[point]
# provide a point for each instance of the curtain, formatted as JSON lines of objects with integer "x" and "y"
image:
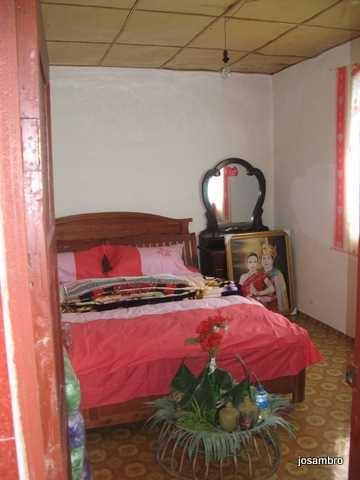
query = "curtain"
{"x": 347, "y": 159}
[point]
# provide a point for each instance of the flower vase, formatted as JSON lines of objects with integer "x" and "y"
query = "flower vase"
{"x": 212, "y": 364}
{"x": 248, "y": 414}
{"x": 228, "y": 418}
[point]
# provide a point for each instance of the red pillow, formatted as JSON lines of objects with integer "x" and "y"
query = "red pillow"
{"x": 89, "y": 263}
{"x": 80, "y": 265}
{"x": 124, "y": 260}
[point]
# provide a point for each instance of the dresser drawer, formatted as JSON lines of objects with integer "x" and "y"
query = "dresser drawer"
{"x": 213, "y": 262}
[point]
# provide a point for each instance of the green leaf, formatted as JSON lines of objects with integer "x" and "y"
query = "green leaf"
{"x": 223, "y": 379}
{"x": 205, "y": 397}
{"x": 184, "y": 381}
{"x": 239, "y": 391}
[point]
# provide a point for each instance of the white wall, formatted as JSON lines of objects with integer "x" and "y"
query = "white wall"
{"x": 141, "y": 140}
{"x": 304, "y": 159}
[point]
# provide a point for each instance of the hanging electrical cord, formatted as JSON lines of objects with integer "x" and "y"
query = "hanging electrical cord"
{"x": 225, "y": 71}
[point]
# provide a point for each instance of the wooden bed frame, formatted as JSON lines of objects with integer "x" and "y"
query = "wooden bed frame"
{"x": 78, "y": 232}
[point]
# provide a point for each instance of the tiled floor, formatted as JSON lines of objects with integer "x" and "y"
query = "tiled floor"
{"x": 322, "y": 424}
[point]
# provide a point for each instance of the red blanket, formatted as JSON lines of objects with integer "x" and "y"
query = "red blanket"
{"x": 121, "y": 359}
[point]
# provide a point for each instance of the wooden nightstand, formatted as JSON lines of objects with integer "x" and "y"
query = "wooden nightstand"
{"x": 212, "y": 257}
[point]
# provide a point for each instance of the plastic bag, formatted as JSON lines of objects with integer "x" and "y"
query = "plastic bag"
{"x": 80, "y": 466}
{"x": 72, "y": 387}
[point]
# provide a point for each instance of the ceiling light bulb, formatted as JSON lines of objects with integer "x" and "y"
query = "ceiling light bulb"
{"x": 225, "y": 71}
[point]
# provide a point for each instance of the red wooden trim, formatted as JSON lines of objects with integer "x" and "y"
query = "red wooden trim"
{"x": 44, "y": 57}
{"x": 46, "y": 319}
{"x": 35, "y": 392}
{"x": 14, "y": 271}
{"x": 38, "y": 190}
{"x": 354, "y": 460}
{"x": 8, "y": 463}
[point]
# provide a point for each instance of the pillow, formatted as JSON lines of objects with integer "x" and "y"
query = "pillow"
{"x": 164, "y": 259}
{"x": 66, "y": 267}
{"x": 127, "y": 260}
{"x": 124, "y": 261}
{"x": 81, "y": 264}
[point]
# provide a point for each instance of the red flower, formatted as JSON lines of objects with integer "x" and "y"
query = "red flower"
{"x": 211, "y": 342}
{"x": 204, "y": 328}
{"x": 209, "y": 334}
{"x": 210, "y": 324}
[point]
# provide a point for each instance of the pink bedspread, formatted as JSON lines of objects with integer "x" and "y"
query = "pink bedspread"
{"x": 119, "y": 359}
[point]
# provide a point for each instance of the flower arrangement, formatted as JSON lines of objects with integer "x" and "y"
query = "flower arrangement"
{"x": 203, "y": 395}
{"x": 212, "y": 417}
{"x": 202, "y": 410}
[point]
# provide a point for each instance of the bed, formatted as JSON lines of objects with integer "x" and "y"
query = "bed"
{"x": 131, "y": 358}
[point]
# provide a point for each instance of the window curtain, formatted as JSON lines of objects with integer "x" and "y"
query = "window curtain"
{"x": 347, "y": 159}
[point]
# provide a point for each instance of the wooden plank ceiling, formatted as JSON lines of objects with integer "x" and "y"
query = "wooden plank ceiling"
{"x": 262, "y": 36}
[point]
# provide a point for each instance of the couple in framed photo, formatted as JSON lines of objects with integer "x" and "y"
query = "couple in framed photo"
{"x": 261, "y": 264}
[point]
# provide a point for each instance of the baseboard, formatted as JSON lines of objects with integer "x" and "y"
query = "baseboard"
{"x": 324, "y": 325}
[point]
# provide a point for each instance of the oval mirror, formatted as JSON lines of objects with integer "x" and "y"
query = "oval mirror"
{"x": 233, "y": 194}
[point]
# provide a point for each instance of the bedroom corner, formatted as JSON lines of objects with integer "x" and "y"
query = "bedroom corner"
{"x": 121, "y": 238}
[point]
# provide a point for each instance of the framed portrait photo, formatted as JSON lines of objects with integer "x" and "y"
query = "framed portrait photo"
{"x": 260, "y": 263}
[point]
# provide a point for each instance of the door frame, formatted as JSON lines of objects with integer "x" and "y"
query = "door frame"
{"x": 27, "y": 268}
{"x": 21, "y": 48}
{"x": 354, "y": 457}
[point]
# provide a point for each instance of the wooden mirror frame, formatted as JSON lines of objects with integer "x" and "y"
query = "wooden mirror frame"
{"x": 255, "y": 223}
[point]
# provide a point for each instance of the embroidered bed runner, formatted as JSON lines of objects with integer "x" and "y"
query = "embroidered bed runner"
{"x": 108, "y": 293}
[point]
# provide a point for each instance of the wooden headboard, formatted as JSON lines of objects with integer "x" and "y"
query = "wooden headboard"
{"x": 78, "y": 232}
